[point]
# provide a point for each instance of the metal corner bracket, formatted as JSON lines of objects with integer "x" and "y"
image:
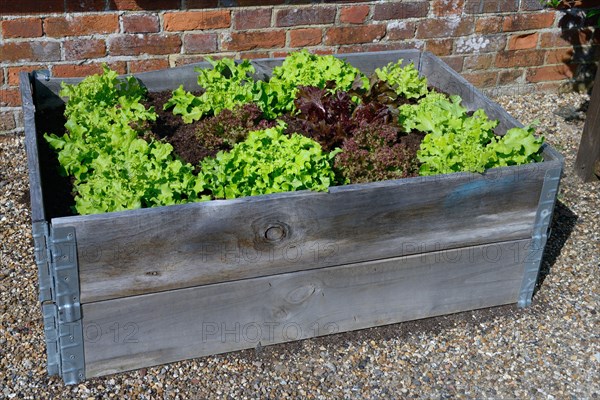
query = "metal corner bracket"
{"x": 541, "y": 229}
{"x": 58, "y": 275}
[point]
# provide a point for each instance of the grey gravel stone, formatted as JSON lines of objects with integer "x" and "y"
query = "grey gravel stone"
{"x": 548, "y": 351}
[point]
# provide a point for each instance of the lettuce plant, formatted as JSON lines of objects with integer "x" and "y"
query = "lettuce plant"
{"x": 305, "y": 69}
{"x": 112, "y": 167}
{"x": 405, "y": 80}
{"x": 457, "y": 141}
{"x": 334, "y": 126}
{"x": 223, "y": 131}
{"x": 322, "y": 115}
{"x": 226, "y": 86}
{"x": 268, "y": 161}
{"x": 378, "y": 152}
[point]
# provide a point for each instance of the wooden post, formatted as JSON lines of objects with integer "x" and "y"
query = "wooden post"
{"x": 587, "y": 164}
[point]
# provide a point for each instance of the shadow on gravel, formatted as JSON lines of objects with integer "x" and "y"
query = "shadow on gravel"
{"x": 563, "y": 224}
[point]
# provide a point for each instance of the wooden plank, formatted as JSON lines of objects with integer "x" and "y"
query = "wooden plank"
{"x": 142, "y": 331}
{"x": 149, "y": 250}
{"x": 587, "y": 164}
{"x": 31, "y": 146}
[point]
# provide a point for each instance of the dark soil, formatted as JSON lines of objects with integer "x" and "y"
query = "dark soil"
{"x": 171, "y": 128}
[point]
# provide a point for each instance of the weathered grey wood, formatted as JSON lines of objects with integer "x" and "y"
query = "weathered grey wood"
{"x": 149, "y": 250}
{"x": 31, "y": 146}
{"x": 587, "y": 164}
{"x": 141, "y": 331}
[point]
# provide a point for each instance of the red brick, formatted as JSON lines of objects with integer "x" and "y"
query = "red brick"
{"x": 551, "y": 73}
{"x": 488, "y": 25}
{"x": 491, "y": 6}
{"x": 354, "y": 34}
{"x": 385, "y": 46}
{"x": 10, "y": 97}
{"x": 305, "y": 37}
{"x": 200, "y": 43}
{"x": 439, "y": 47}
{"x": 479, "y": 62}
{"x": 555, "y": 86}
{"x": 480, "y": 44}
{"x": 148, "y": 65}
{"x": 180, "y": 60}
{"x": 560, "y": 56}
{"x": 251, "y": 55}
{"x": 553, "y": 39}
{"x": 31, "y": 6}
{"x": 455, "y": 62}
{"x": 531, "y": 5}
{"x": 396, "y": 10}
{"x": 431, "y": 28}
{"x": 22, "y": 28}
{"x": 80, "y": 70}
{"x": 254, "y": 40}
{"x": 141, "y": 23}
{"x": 253, "y": 18}
{"x": 7, "y": 121}
{"x": 323, "y": 52}
{"x": 354, "y": 14}
{"x": 196, "y": 20}
{"x": 509, "y": 77}
{"x": 30, "y": 51}
{"x": 573, "y": 37}
{"x": 81, "y": 25}
{"x": 13, "y": 72}
{"x": 138, "y": 5}
{"x": 132, "y": 45}
{"x": 443, "y": 8}
{"x": 85, "y": 5}
{"x": 525, "y": 22}
{"x": 520, "y": 58}
{"x": 313, "y": 15}
{"x": 401, "y": 30}
{"x": 482, "y": 79}
{"x": 81, "y": 49}
{"x": 521, "y": 42}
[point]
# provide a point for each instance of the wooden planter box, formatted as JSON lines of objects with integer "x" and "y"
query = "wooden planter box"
{"x": 133, "y": 289}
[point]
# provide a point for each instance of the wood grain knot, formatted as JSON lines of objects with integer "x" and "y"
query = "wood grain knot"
{"x": 301, "y": 294}
{"x": 275, "y": 233}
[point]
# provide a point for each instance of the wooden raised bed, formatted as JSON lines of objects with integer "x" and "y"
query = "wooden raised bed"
{"x": 132, "y": 289}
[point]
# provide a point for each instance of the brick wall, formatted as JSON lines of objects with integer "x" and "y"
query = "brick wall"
{"x": 506, "y": 45}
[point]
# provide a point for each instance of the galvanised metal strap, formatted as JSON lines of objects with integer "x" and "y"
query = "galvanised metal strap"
{"x": 58, "y": 273}
{"x": 533, "y": 260}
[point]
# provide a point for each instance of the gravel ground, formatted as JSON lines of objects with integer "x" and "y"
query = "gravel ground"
{"x": 550, "y": 350}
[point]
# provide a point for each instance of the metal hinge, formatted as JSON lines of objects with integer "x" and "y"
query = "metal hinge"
{"x": 58, "y": 274}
